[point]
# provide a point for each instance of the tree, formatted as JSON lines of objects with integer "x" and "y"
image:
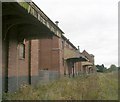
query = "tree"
{"x": 101, "y": 68}
{"x": 112, "y": 68}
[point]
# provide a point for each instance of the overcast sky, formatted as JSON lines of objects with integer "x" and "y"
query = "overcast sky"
{"x": 91, "y": 24}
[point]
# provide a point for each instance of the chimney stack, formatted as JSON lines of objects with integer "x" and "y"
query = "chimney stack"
{"x": 56, "y": 22}
{"x": 78, "y": 48}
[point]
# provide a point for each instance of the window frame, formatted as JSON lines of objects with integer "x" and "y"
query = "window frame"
{"x": 21, "y": 51}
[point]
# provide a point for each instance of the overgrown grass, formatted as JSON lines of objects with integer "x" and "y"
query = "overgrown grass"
{"x": 91, "y": 87}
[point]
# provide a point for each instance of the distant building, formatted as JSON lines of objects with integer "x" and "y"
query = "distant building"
{"x": 72, "y": 57}
{"x": 88, "y": 66}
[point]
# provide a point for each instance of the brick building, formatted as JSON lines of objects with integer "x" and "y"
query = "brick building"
{"x": 22, "y": 24}
{"x": 58, "y": 57}
{"x": 34, "y": 49}
{"x": 72, "y": 57}
{"x": 88, "y": 66}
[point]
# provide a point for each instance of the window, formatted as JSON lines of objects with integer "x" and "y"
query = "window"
{"x": 21, "y": 51}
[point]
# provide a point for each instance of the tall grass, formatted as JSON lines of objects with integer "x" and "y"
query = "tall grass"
{"x": 87, "y": 87}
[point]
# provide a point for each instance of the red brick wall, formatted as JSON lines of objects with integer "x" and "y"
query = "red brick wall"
{"x": 56, "y": 53}
{"x": 22, "y": 64}
{"x": 34, "y": 58}
{"x": 91, "y": 58}
{"x": 49, "y": 54}
{"x": 61, "y": 54}
{"x": 45, "y": 53}
{"x": 12, "y": 59}
{"x": 17, "y": 66}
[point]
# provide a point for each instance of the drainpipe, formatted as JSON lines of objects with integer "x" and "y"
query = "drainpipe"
{"x": 29, "y": 62}
{"x": 73, "y": 69}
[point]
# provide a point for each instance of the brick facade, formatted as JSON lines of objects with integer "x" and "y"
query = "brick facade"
{"x": 88, "y": 66}
{"x": 33, "y": 54}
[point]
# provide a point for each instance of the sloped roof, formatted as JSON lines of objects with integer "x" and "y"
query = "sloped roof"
{"x": 73, "y": 55}
{"x": 86, "y": 63}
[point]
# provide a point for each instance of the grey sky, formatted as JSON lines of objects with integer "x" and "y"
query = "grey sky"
{"x": 91, "y": 24}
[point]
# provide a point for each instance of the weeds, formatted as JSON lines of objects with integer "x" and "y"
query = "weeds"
{"x": 90, "y": 87}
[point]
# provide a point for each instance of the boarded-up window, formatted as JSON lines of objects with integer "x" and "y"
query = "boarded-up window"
{"x": 21, "y": 51}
